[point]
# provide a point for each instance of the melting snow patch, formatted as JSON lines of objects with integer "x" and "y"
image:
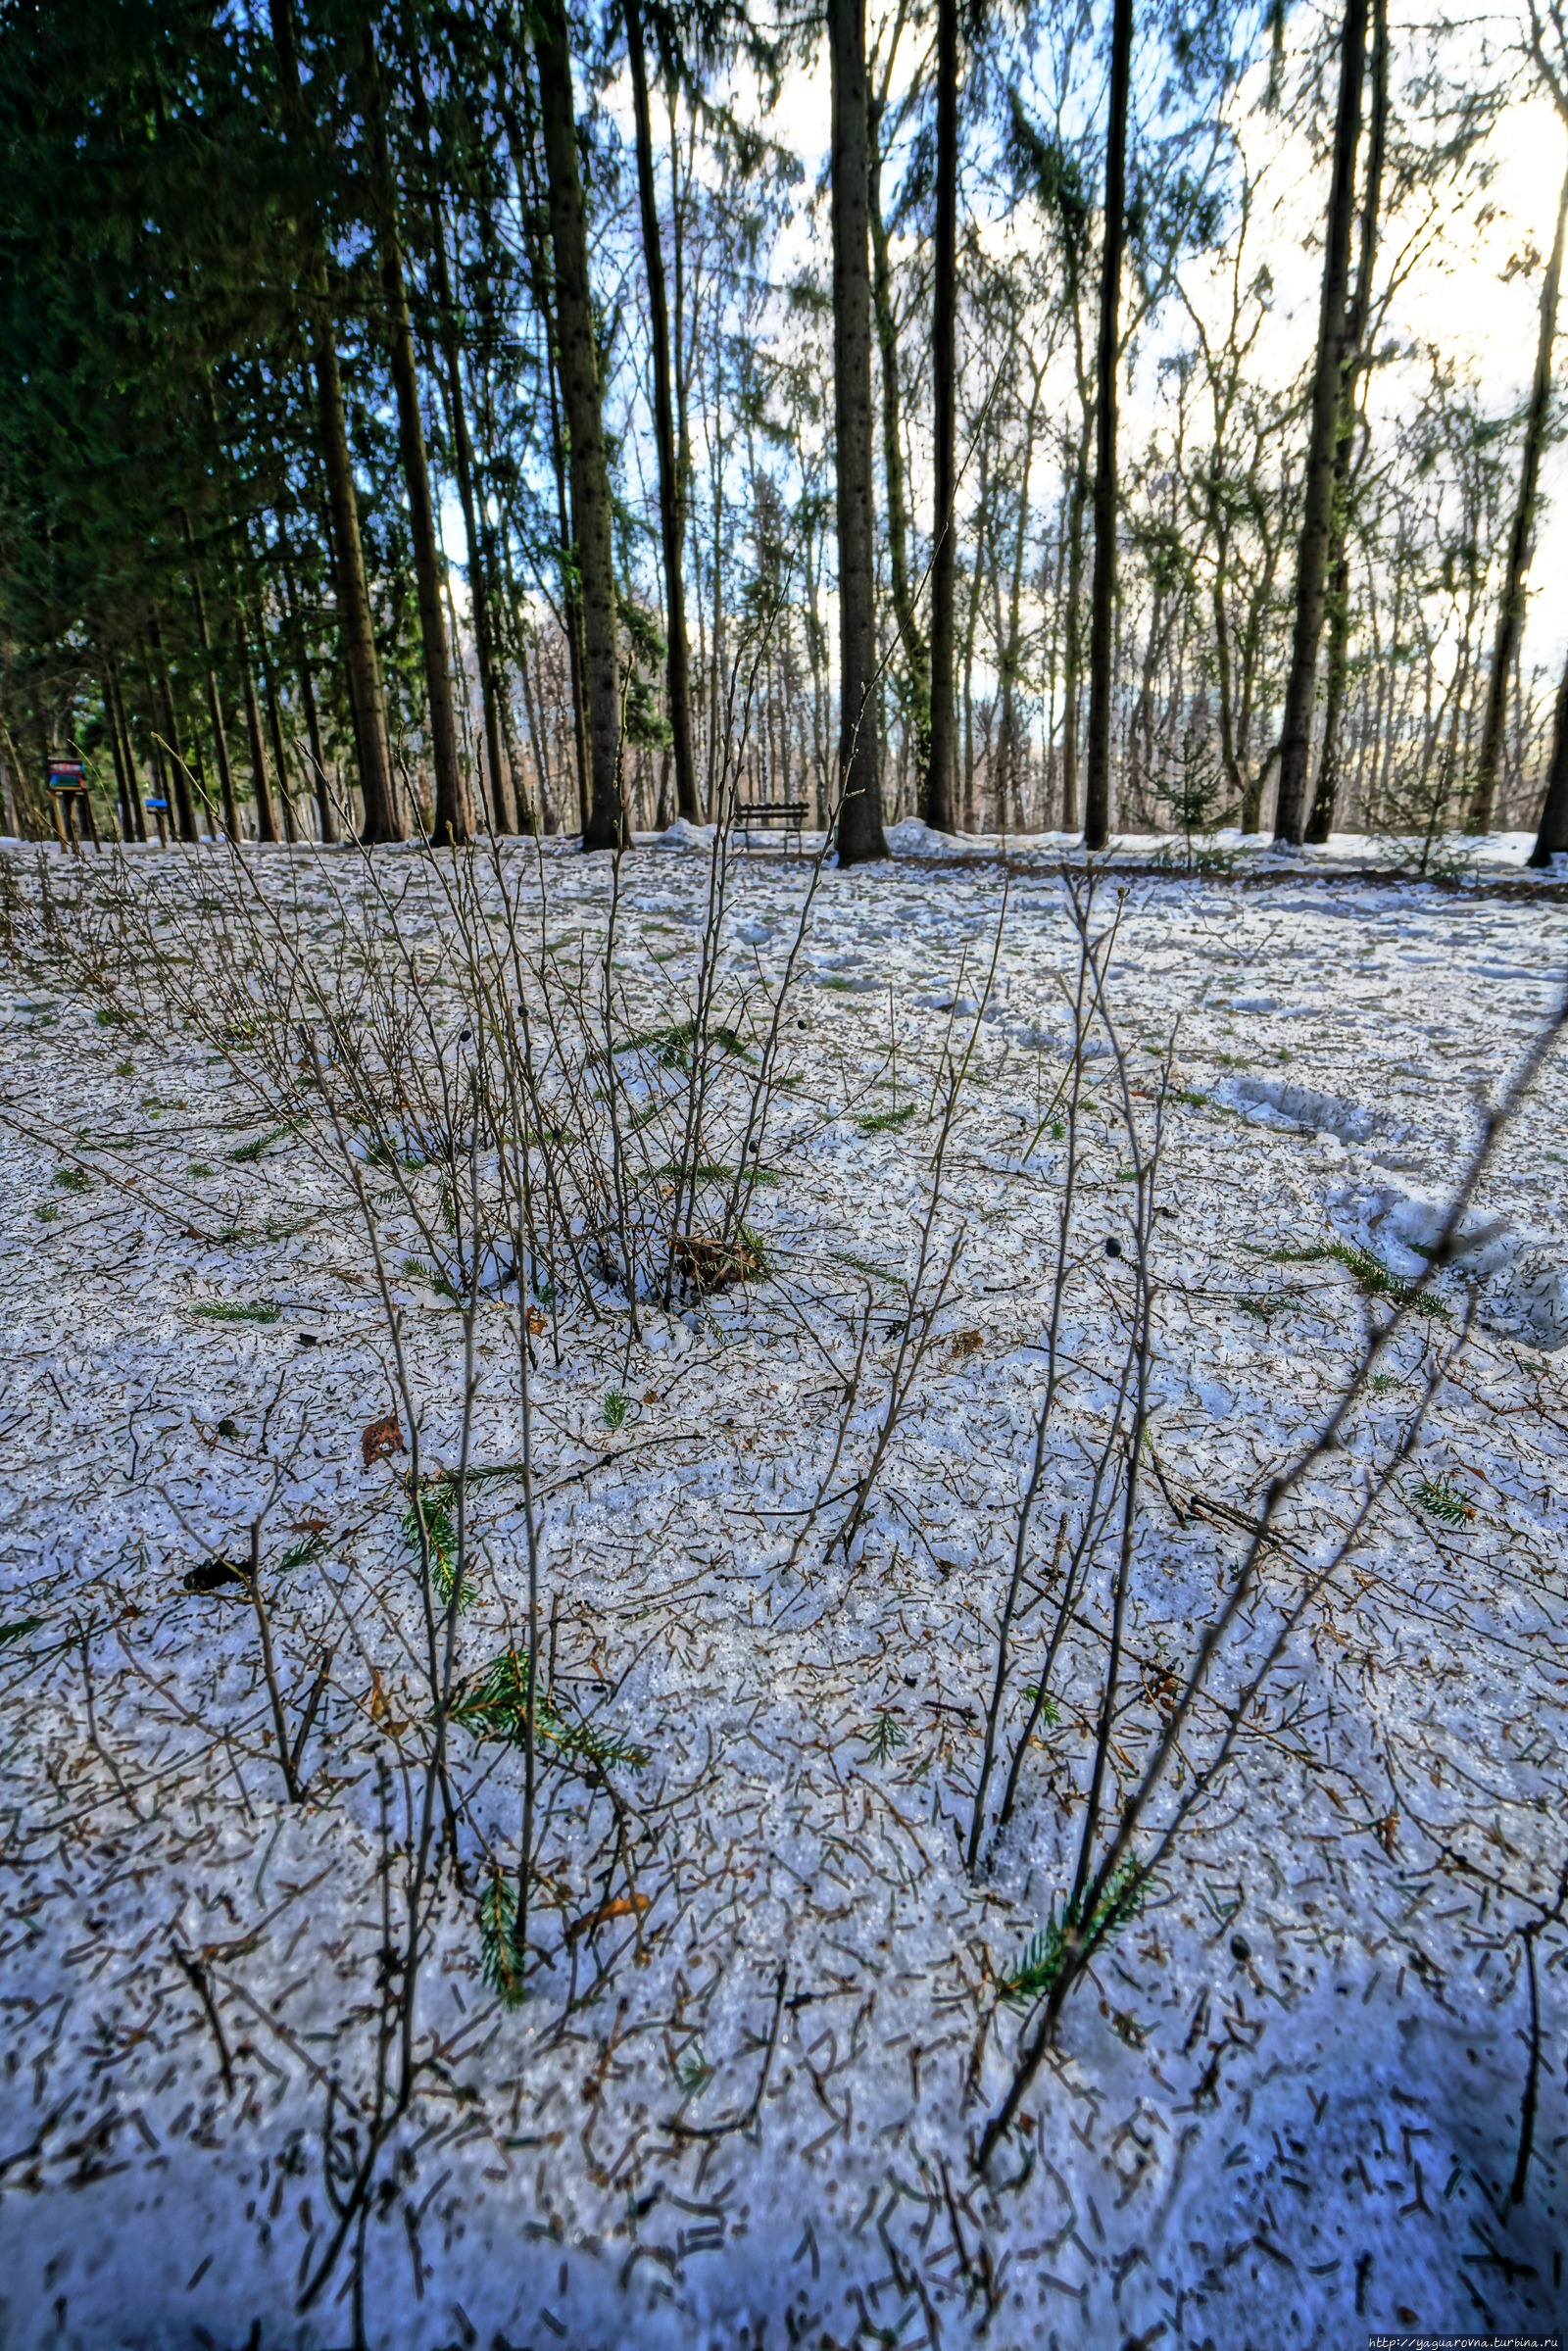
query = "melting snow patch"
{"x": 1523, "y": 1283}
{"x": 683, "y": 834}
{"x": 1276, "y": 1102}
{"x": 1529, "y": 1300}
{"x": 912, "y": 838}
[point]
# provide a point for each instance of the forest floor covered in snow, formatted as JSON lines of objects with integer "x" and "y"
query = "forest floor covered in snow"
{"x": 770, "y": 2007}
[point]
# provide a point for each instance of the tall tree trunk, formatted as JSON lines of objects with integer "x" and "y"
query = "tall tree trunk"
{"x": 860, "y": 835}
{"x": 453, "y": 814}
{"x": 383, "y": 802}
{"x": 915, "y": 694}
{"x": 1235, "y": 783}
{"x": 326, "y": 815}
{"x": 1320, "y": 823}
{"x": 520, "y": 135}
{"x": 266, "y": 815}
{"x": 184, "y": 806}
{"x": 973, "y": 808}
{"x": 275, "y": 726}
{"x": 585, "y": 425}
{"x": 942, "y": 756}
{"x": 1313, "y": 559}
{"x": 450, "y": 346}
{"x": 162, "y": 789}
{"x": 1103, "y": 593}
{"x": 1011, "y": 661}
{"x": 1553, "y": 838}
{"x": 1073, "y": 650}
{"x": 127, "y": 752}
{"x": 1336, "y": 677}
{"x": 123, "y": 781}
{"x": 1511, "y": 608}
{"x": 491, "y": 683}
{"x": 215, "y": 703}
{"x": 671, "y": 519}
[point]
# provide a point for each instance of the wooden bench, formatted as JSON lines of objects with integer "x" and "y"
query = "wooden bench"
{"x": 784, "y": 816}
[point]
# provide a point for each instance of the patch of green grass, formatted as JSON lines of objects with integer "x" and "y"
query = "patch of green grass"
{"x": 303, "y": 1553}
{"x": 107, "y": 1017}
{"x": 616, "y": 1409}
{"x": 262, "y": 1311}
{"x": 885, "y": 1122}
{"x": 19, "y": 1628}
{"x": 433, "y": 1506}
{"x": 1380, "y": 1281}
{"x": 839, "y": 987}
{"x": 260, "y": 1143}
{"x": 1038, "y": 1969}
{"x": 493, "y": 1704}
{"x": 1441, "y": 1499}
{"x": 198, "y": 1167}
{"x": 124, "y": 1070}
{"x": 73, "y": 1179}
{"x": 708, "y": 1171}
{"x": 873, "y": 1271}
{"x": 47, "y": 1211}
{"x": 1382, "y": 1381}
{"x": 501, "y": 1963}
{"x": 693, "y": 2071}
{"x": 885, "y": 1736}
{"x": 673, "y": 1045}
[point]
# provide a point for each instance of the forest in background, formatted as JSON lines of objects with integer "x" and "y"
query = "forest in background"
{"x": 956, "y": 456}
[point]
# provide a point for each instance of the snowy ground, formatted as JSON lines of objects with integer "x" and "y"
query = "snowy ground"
{"x": 1286, "y": 2110}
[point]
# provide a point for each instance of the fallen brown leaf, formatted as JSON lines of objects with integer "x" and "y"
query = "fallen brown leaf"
{"x": 382, "y": 1437}
{"x": 624, "y": 1906}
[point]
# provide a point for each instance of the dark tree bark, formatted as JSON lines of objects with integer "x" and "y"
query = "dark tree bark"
{"x": 121, "y": 728}
{"x": 183, "y": 809}
{"x": 492, "y": 685}
{"x": 215, "y": 704}
{"x": 915, "y": 691}
{"x": 1552, "y": 839}
{"x": 1295, "y": 732}
{"x": 1320, "y": 823}
{"x": 1102, "y": 592}
{"x": 454, "y": 812}
{"x": 942, "y": 757}
{"x": 275, "y": 726}
{"x": 326, "y": 815}
{"x": 859, "y": 825}
{"x": 383, "y": 803}
{"x": 521, "y": 137}
{"x": 1511, "y": 608}
{"x": 1073, "y": 626}
{"x": 265, "y": 814}
{"x": 672, "y": 519}
{"x": 585, "y": 426}
{"x": 123, "y": 785}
